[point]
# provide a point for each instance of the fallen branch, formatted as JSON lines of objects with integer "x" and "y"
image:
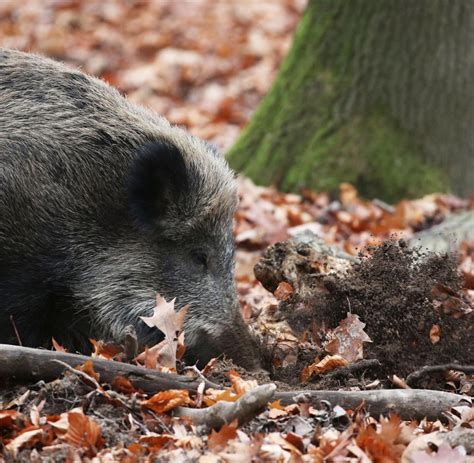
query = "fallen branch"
{"x": 243, "y": 409}
{"x": 408, "y": 403}
{"x": 25, "y": 363}
{"x": 416, "y": 376}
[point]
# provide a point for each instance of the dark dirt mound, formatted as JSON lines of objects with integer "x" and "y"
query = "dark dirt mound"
{"x": 394, "y": 290}
{"x": 391, "y": 290}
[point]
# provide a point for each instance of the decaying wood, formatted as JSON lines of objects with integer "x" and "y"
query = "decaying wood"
{"x": 413, "y": 378}
{"x": 408, "y": 403}
{"x": 243, "y": 409}
{"x": 25, "y": 363}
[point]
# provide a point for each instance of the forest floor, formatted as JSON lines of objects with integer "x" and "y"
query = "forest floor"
{"x": 345, "y": 303}
{"x": 341, "y": 299}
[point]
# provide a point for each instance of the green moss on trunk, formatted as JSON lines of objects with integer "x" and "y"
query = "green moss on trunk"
{"x": 344, "y": 107}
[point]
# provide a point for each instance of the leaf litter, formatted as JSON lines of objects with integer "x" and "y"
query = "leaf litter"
{"x": 315, "y": 316}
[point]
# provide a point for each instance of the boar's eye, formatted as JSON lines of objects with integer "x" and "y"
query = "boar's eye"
{"x": 201, "y": 258}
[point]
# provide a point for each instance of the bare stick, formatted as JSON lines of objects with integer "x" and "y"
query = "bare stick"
{"x": 243, "y": 409}
{"x": 408, "y": 403}
{"x": 414, "y": 377}
{"x": 25, "y": 363}
{"x": 16, "y": 330}
{"x": 80, "y": 373}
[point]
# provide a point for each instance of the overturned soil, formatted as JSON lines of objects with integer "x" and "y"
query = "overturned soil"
{"x": 409, "y": 301}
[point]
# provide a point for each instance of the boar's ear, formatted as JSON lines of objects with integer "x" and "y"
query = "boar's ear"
{"x": 158, "y": 181}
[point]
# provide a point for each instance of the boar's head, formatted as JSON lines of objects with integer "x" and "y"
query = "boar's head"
{"x": 182, "y": 197}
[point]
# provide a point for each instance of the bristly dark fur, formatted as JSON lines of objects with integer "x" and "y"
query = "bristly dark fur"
{"x": 103, "y": 204}
{"x": 158, "y": 174}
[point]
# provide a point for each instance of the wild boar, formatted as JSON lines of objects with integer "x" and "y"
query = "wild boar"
{"x": 103, "y": 204}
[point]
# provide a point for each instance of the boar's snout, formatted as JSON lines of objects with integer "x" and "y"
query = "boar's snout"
{"x": 229, "y": 337}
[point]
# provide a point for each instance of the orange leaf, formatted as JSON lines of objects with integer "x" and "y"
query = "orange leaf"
{"x": 156, "y": 442}
{"x": 123, "y": 385}
{"x": 435, "y": 334}
{"x": 57, "y": 346}
{"x": 167, "y": 400}
{"x": 326, "y": 364}
{"x": 104, "y": 350}
{"x": 83, "y": 432}
{"x": 27, "y": 438}
{"x": 218, "y": 440}
{"x": 88, "y": 368}
{"x": 284, "y": 291}
{"x": 216, "y": 395}
{"x": 276, "y": 404}
{"x": 209, "y": 366}
{"x": 241, "y": 386}
{"x": 8, "y": 417}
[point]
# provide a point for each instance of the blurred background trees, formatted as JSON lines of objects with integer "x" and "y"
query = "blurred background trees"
{"x": 377, "y": 93}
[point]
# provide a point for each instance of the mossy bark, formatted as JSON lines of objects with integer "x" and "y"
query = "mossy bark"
{"x": 378, "y": 93}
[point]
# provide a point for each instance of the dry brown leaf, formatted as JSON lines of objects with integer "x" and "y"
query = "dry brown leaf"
{"x": 328, "y": 363}
{"x": 170, "y": 323}
{"x": 217, "y": 440}
{"x": 382, "y": 444}
{"x": 57, "y": 347}
{"x": 27, "y": 438}
{"x": 213, "y": 396}
{"x": 348, "y": 338}
{"x": 284, "y": 291}
{"x": 105, "y": 350}
{"x": 209, "y": 366}
{"x": 167, "y": 400}
{"x": 88, "y": 369}
{"x": 8, "y": 418}
{"x": 435, "y": 334}
{"x": 241, "y": 386}
{"x": 83, "y": 432}
{"x": 123, "y": 384}
{"x": 157, "y": 441}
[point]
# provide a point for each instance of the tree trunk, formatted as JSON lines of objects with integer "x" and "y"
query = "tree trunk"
{"x": 377, "y": 93}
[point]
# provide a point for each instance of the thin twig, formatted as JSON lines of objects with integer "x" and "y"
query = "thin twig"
{"x": 206, "y": 381}
{"x": 80, "y": 373}
{"x": 414, "y": 377}
{"x": 16, "y": 331}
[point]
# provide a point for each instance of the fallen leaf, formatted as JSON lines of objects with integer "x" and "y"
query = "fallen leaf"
{"x": 435, "y": 334}
{"x": 167, "y": 400}
{"x": 217, "y": 440}
{"x": 348, "y": 338}
{"x": 240, "y": 385}
{"x": 328, "y": 363}
{"x": 57, "y": 347}
{"x": 284, "y": 291}
{"x": 27, "y": 438}
{"x": 88, "y": 369}
{"x": 84, "y": 432}
{"x": 170, "y": 323}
